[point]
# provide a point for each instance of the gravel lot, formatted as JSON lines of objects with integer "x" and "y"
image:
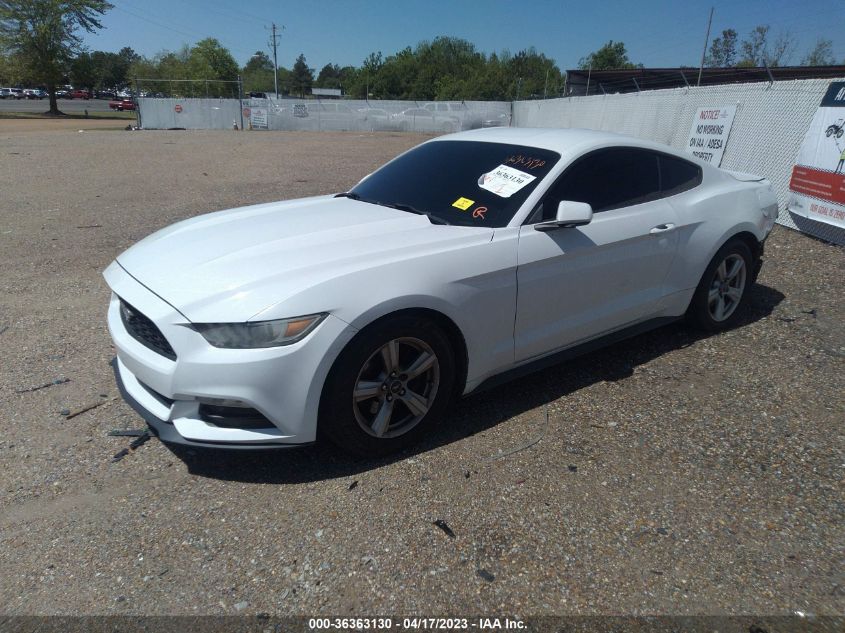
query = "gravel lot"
{"x": 675, "y": 474}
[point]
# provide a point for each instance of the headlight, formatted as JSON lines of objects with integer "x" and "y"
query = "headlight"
{"x": 259, "y": 333}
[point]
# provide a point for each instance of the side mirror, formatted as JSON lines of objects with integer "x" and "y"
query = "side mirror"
{"x": 569, "y": 214}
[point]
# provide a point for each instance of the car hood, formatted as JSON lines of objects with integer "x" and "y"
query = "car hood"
{"x": 231, "y": 266}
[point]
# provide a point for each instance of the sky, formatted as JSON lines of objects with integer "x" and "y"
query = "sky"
{"x": 656, "y": 33}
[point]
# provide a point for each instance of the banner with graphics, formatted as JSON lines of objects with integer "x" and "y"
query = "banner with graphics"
{"x": 817, "y": 186}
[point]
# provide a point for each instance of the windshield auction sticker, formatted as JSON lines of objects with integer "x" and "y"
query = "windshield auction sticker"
{"x": 505, "y": 181}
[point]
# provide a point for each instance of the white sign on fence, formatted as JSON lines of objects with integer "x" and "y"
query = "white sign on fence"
{"x": 258, "y": 118}
{"x": 709, "y": 133}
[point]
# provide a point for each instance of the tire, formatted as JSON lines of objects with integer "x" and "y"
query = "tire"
{"x": 829, "y": 131}
{"x": 379, "y": 420}
{"x": 718, "y": 301}
{"x": 839, "y": 133}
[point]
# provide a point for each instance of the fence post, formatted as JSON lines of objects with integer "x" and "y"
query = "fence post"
{"x": 769, "y": 72}
{"x": 138, "y": 106}
{"x": 241, "y": 101}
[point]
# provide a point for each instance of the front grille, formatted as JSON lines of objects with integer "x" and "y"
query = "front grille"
{"x": 145, "y": 331}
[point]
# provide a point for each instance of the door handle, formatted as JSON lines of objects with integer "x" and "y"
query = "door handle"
{"x": 662, "y": 228}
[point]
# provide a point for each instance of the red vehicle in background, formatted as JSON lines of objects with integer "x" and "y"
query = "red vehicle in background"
{"x": 79, "y": 94}
{"x": 122, "y": 104}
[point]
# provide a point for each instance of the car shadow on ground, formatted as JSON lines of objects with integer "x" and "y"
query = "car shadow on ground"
{"x": 469, "y": 416}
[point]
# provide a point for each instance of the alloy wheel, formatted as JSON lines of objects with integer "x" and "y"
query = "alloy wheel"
{"x": 396, "y": 387}
{"x": 727, "y": 287}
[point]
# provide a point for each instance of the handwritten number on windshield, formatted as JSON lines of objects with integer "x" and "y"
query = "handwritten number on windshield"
{"x": 526, "y": 162}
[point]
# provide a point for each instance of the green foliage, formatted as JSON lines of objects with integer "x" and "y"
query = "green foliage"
{"x": 446, "y": 68}
{"x": 611, "y": 56}
{"x": 43, "y": 35}
{"x": 449, "y": 68}
{"x": 301, "y": 77}
{"x": 257, "y": 74}
{"x": 723, "y": 50}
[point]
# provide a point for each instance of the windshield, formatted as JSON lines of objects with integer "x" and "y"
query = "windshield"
{"x": 470, "y": 183}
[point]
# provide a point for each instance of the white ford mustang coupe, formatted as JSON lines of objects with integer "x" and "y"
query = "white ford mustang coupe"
{"x": 466, "y": 260}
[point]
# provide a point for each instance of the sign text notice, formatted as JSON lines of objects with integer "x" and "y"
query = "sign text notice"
{"x": 709, "y": 133}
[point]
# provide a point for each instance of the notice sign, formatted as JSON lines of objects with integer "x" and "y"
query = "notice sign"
{"x": 709, "y": 133}
{"x": 258, "y": 118}
{"x": 817, "y": 185}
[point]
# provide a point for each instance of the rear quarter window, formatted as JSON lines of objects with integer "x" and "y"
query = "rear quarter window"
{"x": 678, "y": 175}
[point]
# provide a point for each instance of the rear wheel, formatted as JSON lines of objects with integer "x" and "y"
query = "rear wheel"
{"x": 719, "y": 297}
{"x": 388, "y": 388}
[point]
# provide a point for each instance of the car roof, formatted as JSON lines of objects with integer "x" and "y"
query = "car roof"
{"x": 565, "y": 141}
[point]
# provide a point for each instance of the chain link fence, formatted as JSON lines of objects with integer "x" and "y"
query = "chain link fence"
{"x": 439, "y": 117}
{"x": 769, "y": 127}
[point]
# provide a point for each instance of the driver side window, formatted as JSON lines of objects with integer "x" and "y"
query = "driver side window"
{"x": 605, "y": 179}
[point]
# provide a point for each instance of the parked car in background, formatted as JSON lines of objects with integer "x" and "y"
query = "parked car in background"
{"x": 493, "y": 252}
{"x": 502, "y": 120}
{"x": 105, "y": 94}
{"x": 376, "y": 119}
{"x": 470, "y": 119}
{"x": 425, "y": 120}
{"x": 122, "y": 104}
{"x": 6, "y": 93}
{"x": 17, "y": 93}
{"x": 79, "y": 94}
{"x": 34, "y": 93}
{"x": 257, "y": 95}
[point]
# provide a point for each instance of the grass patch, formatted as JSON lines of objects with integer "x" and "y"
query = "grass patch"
{"x": 120, "y": 116}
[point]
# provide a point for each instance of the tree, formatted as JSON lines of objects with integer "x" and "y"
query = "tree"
{"x": 756, "y": 50}
{"x": 723, "y": 50}
{"x": 43, "y": 35}
{"x": 257, "y": 74}
{"x": 84, "y": 71}
{"x": 611, "y": 56}
{"x": 821, "y": 55}
{"x": 208, "y": 59}
{"x": 301, "y": 77}
{"x": 329, "y": 76}
{"x": 533, "y": 75}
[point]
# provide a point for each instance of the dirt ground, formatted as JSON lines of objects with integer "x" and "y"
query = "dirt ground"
{"x": 675, "y": 474}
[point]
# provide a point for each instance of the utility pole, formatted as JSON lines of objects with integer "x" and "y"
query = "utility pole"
{"x": 274, "y": 43}
{"x": 704, "y": 52}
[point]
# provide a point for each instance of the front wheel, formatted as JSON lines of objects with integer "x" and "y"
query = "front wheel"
{"x": 719, "y": 297}
{"x": 388, "y": 388}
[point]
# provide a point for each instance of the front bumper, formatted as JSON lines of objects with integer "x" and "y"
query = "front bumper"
{"x": 282, "y": 384}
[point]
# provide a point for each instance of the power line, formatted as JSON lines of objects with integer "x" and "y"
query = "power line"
{"x": 181, "y": 31}
{"x": 274, "y": 43}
